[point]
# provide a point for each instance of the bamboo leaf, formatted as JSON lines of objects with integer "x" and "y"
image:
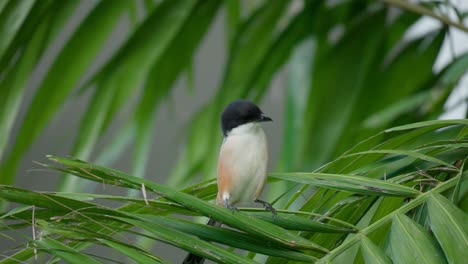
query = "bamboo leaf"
{"x": 230, "y": 238}
{"x": 11, "y": 19}
{"x": 125, "y": 72}
{"x": 397, "y": 109}
{"x": 3, "y": 3}
{"x": 455, "y": 70}
{"x": 280, "y": 50}
{"x": 41, "y": 31}
{"x": 233, "y": 18}
{"x": 133, "y": 253}
{"x": 357, "y": 184}
{"x": 136, "y": 57}
{"x": 407, "y": 138}
{"x": 19, "y": 256}
{"x": 90, "y": 213}
{"x": 430, "y": 123}
{"x": 447, "y": 185}
{"x": 249, "y": 48}
{"x": 292, "y": 222}
{"x": 54, "y": 203}
{"x": 410, "y": 243}
{"x": 63, "y": 251}
{"x": 343, "y": 93}
{"x": 238, "y": 220}
{"x": 297, "y": 91}
{"x": 372, "y": 253}
{"x": 13, "y": 84}
{"x": 413, "y": 154}
{"x": 186, "y": 242}
{"x": 62, "y": 77}
{"x": 164, "y": 72}
{"x": 25, "y": 31}
{"x": 449, "y": 225}
{"x": 74, "y": 232}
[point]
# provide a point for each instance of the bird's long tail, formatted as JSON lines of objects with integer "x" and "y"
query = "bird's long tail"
{"x": 195, "y": 259}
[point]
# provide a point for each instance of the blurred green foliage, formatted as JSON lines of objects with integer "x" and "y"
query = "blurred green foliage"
{"x": 352, "y": 72}
{"x": 361, "y": 77}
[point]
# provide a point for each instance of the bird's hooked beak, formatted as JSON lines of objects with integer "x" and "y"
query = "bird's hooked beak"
{"x": 264, "y": 118}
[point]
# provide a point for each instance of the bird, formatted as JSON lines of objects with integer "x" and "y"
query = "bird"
{"x": 242, "y": 161}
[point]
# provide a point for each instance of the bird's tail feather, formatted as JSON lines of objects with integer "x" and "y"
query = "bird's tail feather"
{"x": 195, "y": 259}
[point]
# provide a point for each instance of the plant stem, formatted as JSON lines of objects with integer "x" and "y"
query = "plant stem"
{"x": 425, "y": 11}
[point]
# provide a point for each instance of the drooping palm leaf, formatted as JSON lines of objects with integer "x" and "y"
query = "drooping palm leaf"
{"x": 90, "y": 223}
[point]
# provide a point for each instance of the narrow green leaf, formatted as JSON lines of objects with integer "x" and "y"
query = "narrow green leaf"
{"x": 233, "y": 18}
{"x": 11, "y": 19}
{"x": 398, "y": 139}
{"x": 456, "y": 69}
{"x": 41, "y": 27}
{"x": 81, "y": 208}
{"x": 63, "y": 251}
{"x": 149, "y": 206}
{"x": 14, "y": 83}
{"x": 119, "y": 78}
{"x": 61, "y": 12}
{"x": 238, "y": 220}
{"x": 149, "y": 4}
{"x": 409, "y": 153}
{"x": 410, "y": 243}
{"x": 3, "y": 3}
{"x": 298, "y": 83}
{"x": 395, "y": 110}
{"x": 37, "y": 14}
{"x": 357, "y": 184}
{"x": 187, "y": 242}
{"x": 62, "y": 77}
{"x": 164, "y": 72}
{"x": 293, "y": 222}
{"x": 342, "y": 97}
{"x": 148, "y": 43}
{"x": 131, "y": 252}
{"x": 249, "y": 48}
{"x": 418, "y": 54}
{"x": 428, "y": 124}
{"x": 229, "y": 237}
{"x": 16, "y": 210}
{"x": 386, "y": 206}
{"x": 414, "y": 203}
{"x": 18, "y": 257}
{"x": 75, "y": 232}
{"x": 372, "y": 253}
{"x": 52, "y": 202}
{"x": 449, "y": 225}
{"x": 280, "y": 50}
{"x": 196, "y": 151}
{"x": 463, "y": 133}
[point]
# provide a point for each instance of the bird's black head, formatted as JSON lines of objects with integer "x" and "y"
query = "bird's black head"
{"x": 241, "y": 112}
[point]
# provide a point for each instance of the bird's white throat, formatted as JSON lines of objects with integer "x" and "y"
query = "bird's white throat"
{"x": 249, "y": 128}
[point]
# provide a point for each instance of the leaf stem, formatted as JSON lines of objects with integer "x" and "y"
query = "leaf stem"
{"x": 425, "y": 11}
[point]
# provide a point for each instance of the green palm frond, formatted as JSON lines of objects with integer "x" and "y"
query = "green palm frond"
{"x": 67, "y": 223}
{"x": 366, "y": 173}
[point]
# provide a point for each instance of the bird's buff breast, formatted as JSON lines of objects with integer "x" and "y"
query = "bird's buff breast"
{"x": 245, "y": 154}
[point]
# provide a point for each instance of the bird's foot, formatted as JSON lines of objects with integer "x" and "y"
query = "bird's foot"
{"x": 229, "y": 206}
{"x": 267, "y": 206}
